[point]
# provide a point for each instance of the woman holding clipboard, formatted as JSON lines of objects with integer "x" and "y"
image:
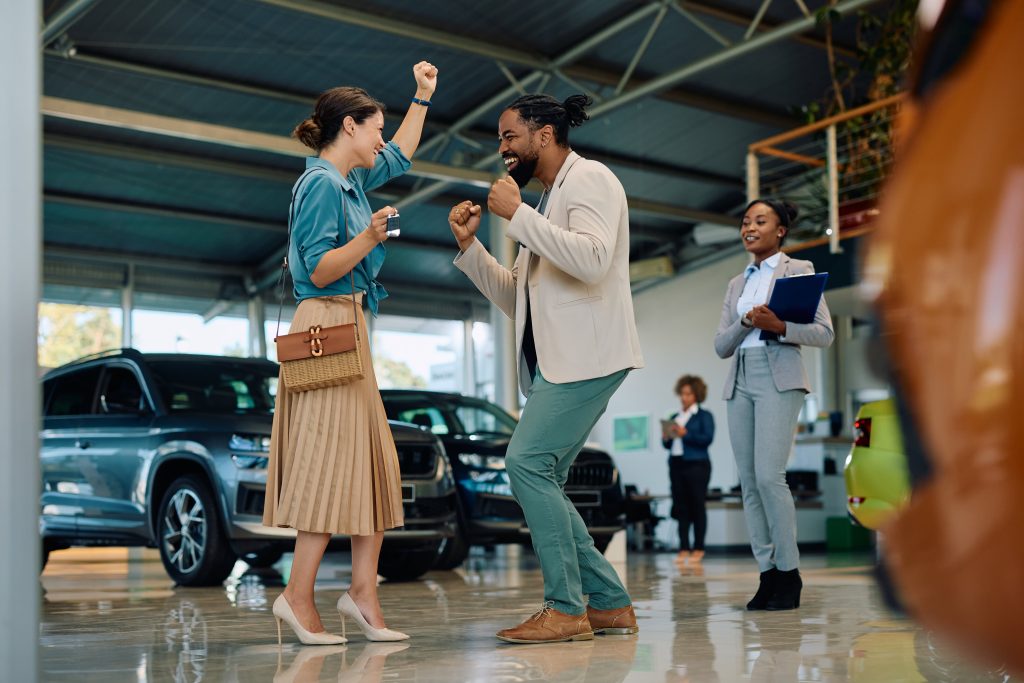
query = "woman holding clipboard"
{"x": 764, "y": 391}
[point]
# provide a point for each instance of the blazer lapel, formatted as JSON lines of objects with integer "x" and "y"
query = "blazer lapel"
{"x": 735, "y": 291}
{"x": 781, "y": 270}
{"x": 569, "y": 162}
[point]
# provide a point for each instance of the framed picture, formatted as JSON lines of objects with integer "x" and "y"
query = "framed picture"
{"x": 630, "y": 432}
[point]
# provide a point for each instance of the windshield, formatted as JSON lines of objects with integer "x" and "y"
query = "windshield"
{"x": 483, "y": 418}
{"x": 221, "y": 387}
{"x": 466, "y": 416}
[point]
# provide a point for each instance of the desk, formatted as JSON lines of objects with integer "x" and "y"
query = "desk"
{"x": 642, "y": 521}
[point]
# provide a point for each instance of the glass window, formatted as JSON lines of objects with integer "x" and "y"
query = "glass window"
{"x": 222, "y": 387}
{"x": 160, "y": 331}
{"x": 74, "y": 392}
{"x": 425, "y": 417}
{"x": 483, "y": 418}
{"x": 418, "y": 353}
{"x": 122, "y": 394}
{"x": 48, "y": 387}
{"x": 68, "y": 332}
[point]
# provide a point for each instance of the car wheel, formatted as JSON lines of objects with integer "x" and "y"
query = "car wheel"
{"x": 454, "y": 549}
{"x": 264, "y": 557}
{"x": 407, "y": 564}
{"x": 190, "y": 535}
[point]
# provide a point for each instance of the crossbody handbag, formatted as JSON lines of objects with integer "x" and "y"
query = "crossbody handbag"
{"x": 319, "y": 357}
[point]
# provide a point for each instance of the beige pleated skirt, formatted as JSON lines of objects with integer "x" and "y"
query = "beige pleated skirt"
{"x": 333, "y": 465}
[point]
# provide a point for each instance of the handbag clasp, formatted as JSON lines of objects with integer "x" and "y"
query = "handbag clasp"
{"x": 316, "y": 345}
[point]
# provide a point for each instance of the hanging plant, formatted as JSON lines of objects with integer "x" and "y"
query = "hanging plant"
{"x": 878, "y": 70}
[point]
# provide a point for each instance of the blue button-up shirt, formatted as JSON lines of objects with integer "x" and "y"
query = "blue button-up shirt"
{"x": 324, "y": 203}
{"x": 755, "y": 293}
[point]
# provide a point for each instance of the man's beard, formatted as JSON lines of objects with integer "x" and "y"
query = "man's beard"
{"x": 523, "y": 171}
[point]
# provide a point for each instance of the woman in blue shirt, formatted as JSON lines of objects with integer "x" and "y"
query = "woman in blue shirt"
{"x": 689, "y": 465}
{"x": 333, "y": 466}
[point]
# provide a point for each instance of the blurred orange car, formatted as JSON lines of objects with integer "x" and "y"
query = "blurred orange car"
{"x": 946, "y": 264}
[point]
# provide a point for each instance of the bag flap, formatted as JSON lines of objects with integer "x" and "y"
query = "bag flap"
{"x": 299, "y": 345}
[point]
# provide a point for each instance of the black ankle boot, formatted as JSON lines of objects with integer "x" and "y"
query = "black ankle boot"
{"x": 765, "y": 590}
{"x": 787, "y": 591}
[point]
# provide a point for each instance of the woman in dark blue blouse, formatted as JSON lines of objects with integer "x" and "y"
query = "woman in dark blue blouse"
{"x": 333, "y": 466}
{"x": 689, "y": 465}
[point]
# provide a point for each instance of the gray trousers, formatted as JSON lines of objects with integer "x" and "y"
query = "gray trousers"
{"x": 762, "y": 421}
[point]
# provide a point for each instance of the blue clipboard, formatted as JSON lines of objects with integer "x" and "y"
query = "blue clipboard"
{"x": 795, "y": 299}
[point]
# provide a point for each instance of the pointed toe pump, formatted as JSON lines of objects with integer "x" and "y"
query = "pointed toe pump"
{"x": 349, "y": 610}
{"x": 283, "y": 612}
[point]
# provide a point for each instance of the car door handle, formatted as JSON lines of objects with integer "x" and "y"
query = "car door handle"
{"x": 82, "y": 444}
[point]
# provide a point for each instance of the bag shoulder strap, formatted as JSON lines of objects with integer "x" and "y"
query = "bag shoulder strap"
{"x": 292, "y": 212}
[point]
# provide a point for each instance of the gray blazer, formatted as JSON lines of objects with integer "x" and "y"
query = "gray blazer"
{"x": 784, "y": 357}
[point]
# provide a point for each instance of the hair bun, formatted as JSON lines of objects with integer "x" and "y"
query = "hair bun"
{"x": 575, "y": 109}
{"x": 791, "y": 210}
{"x": 309, "y": 134}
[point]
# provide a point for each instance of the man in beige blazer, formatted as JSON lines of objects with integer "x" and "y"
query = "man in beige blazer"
{"x": 576, "y": 340}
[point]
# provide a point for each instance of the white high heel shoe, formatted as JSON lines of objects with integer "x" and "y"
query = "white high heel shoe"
{"x": 283, "y": 612}
{"x": 348, "y": 608}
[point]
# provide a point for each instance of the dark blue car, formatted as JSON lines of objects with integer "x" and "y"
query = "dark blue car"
{"x": 476, "y": 434}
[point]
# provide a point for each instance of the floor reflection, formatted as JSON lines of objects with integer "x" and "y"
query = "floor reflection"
{"x": 109, "y": 618}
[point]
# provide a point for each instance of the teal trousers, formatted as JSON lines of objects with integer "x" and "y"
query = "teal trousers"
{"x": 554, "y": 426}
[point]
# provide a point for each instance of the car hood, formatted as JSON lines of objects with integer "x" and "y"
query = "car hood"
{"x": 261, "y": 424}
{"x": 490, "y": 445}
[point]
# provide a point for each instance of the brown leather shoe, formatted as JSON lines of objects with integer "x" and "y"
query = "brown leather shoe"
{"x": 613, "y": 622}
{"x": 549, "y": 626}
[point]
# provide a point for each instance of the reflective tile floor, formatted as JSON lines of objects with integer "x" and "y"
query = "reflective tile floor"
{"x": 105, "y": 618}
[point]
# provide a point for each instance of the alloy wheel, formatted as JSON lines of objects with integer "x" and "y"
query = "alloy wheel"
{"x": 185, "y": 530}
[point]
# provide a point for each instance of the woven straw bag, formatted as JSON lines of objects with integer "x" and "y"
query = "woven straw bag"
{"x": 319, "y": 357}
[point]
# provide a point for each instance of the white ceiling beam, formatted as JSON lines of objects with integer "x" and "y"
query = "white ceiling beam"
{"x": 199, "y": 131}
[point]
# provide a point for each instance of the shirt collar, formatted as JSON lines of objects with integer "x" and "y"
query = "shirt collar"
{"x": 330, "y": 168}
{"x": 770, "y": 262}
{"x": 692, "y": 410}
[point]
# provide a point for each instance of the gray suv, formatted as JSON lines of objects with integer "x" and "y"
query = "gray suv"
{"x": 170, "y": 451}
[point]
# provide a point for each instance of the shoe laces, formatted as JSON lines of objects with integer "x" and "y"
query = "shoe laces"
{"x": 544, "y": 611}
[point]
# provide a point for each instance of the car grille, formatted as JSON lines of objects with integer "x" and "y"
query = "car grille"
{"x": 501, "y": 508}
{"x": 430, "y": 508}
{"x": 596, "y": 474}
{"x": 417, "y": 460}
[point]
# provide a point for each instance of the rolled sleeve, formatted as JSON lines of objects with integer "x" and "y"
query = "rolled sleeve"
{"x": 317, "y": 225}
{"x": 391, "y": 163}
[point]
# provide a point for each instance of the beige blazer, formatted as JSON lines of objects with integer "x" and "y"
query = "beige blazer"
{"x": 575, "y": 260}
{"x": 784, "y": 357}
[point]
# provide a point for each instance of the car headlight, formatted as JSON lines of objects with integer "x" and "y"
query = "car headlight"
{"x": 249, "y": 443}
{"x": 482, "y": 462}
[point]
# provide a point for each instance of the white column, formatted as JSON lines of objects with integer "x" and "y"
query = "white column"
{"x": 257, "y": 333}
{"x": 127, "y": 304}
{"x": 20, "y": 253}
{"x": 468, "y": 359}
{"x": 506, "y": 384}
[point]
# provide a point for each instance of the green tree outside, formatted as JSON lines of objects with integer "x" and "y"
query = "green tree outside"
{"x": 67, "y": 332}
{"x": 393, "y": 374}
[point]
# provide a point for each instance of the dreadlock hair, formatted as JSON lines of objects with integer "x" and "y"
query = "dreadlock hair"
{"x": 541, "y": 110}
